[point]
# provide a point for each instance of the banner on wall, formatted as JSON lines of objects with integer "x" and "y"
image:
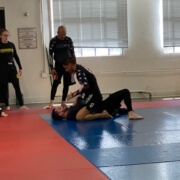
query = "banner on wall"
{"x": 27, "y": 38}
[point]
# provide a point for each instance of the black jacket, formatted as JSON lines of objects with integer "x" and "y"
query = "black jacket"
{"x": 7, "y": 55}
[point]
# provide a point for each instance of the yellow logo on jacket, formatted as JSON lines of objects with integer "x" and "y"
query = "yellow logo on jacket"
{"x": 7, "y": 50}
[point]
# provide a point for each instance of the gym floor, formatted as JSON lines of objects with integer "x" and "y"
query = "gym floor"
{"x": 34, "y": 147}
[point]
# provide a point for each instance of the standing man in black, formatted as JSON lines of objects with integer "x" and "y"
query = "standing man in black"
{"x": 60, "y": 48}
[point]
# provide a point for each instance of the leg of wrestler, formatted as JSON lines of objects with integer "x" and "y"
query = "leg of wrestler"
{"x": 84, "y": 114}
{"x": 115, "y": 100}
{"x": 60, "y": 72}
{"x": 66, "y": 84}
{"x": 54, "y": 87}
{"x": 127, "y": 100}
{"x": 4, "y": 94}
{"x": 16, "y": 85}
{"x": 119, "y": 96}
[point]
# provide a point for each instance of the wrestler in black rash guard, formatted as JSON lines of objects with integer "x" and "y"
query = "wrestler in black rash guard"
{"x": 89, "y": 88}
{"x": 8, "y": 72}
{"x": 111, "y": 104}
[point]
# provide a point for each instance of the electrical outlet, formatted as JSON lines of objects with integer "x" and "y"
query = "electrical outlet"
{"x": 44, "y": 75}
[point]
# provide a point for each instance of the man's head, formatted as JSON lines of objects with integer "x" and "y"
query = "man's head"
{"x": 70, "y": 64}
{"x": 61, "y": 32}
{"x": 59, "y": 113}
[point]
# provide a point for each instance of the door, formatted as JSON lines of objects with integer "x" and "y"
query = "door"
{"x": 2, "y": 18}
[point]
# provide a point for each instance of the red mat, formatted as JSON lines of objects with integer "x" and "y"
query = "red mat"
{"x": 31, "y": 150}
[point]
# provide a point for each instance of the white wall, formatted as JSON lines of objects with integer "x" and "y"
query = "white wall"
{"x": 34, "y": 87}
{"x": 143, "y": 68}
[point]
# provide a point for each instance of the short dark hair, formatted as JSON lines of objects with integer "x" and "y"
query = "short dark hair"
{"x": 55, "y": 115}
{"x": 3, "y": 30}
{"x": 70, "y": 60}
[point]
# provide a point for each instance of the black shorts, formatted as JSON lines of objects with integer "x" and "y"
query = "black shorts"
{"x": 114, "y": 100}
{"x": 93, "y": 102}
{"x": 111, "y": 103}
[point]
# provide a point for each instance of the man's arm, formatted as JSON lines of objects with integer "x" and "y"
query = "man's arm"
{"x": 77, "y": 92}
{"x": 51, "y": 56}
{"x": 83, "y": 80}
{"x": 51, "y": 53}
{"x": 16, "y": 57}
{"x": 71, "y": 48}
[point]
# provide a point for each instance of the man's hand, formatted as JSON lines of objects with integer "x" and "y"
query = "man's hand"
{"x": 69, "y": 96}
{"x": 20, "y": 72}
{"x": 53, "y": 72}
{"x": 63, "y": 104}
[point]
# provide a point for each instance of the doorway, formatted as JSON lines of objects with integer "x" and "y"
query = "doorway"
{"x": 2, "y": 18}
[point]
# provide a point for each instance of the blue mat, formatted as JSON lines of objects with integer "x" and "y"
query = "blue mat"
{"x": 133, "y": 155}
{"x": 167, "y": 170}
{"x": 120, "y": 142}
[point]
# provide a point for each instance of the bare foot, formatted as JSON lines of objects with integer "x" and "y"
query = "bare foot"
{"x": 8, "y": 108}
{"x": 23, "y": 107}
{"x": 133, "y": 116}
{"x": 50, "y": 106}
{"x": 3, "y": 114}
{"x": 105, "y": 114}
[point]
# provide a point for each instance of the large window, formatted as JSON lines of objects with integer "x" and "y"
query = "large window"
{"x": 171, "y": 23}
{"x": 97, "y": 27}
